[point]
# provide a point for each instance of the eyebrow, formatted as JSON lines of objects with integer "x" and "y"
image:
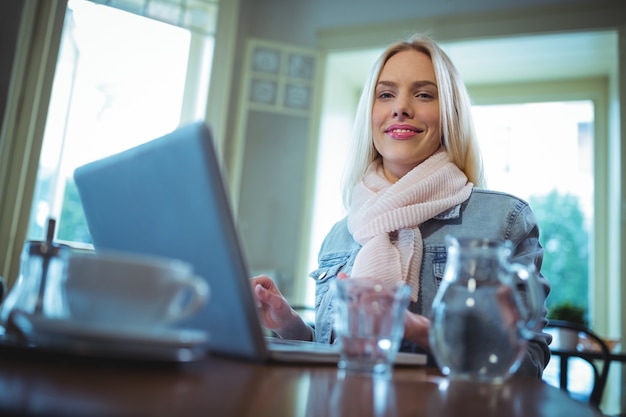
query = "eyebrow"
{"x": 415, "y": 84}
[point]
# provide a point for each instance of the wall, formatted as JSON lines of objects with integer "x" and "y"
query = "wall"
{"x": 300, "y": 22}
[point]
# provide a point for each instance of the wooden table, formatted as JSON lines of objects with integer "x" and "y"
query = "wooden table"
{"x": 35, "y": 383}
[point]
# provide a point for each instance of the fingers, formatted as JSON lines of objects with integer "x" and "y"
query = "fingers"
{"x": 268, "y": 297}
{"x": 260, "y": 294}
{"x": 416, "y": 329}
{"x": 264, "y": 280}
{"x": 261, "y": 277}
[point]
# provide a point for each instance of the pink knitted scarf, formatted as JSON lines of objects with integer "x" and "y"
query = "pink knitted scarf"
{"x": 384, "y": 217}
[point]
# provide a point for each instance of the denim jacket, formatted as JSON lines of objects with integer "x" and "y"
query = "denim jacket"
{"x": 485, "y": 214}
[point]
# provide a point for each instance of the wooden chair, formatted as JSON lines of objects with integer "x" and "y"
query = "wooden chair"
{"x": 599, "y": 360}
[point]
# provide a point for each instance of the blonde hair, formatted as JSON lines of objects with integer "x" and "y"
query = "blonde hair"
{"x": 457, "y": 126}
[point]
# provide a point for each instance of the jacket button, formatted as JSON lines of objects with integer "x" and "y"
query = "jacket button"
{"x": 321, "y": 276}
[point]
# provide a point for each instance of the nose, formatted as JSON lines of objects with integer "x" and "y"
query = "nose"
{"x": 402, "y": 108}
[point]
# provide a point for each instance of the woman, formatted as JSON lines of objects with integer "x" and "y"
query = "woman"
{"x": 412, "y": 179}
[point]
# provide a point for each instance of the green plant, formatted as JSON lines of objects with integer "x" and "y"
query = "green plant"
{"x": 567, "y": 311}
{"x": 565, "y": 238}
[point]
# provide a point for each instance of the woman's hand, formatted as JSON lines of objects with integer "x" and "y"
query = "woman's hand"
{"x": 276, "y": 313}
{"x": 416, "y": 329}
{"x": 275, "y": 309}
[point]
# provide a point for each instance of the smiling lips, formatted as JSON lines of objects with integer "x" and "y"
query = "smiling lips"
{"x": 402, "y": 131}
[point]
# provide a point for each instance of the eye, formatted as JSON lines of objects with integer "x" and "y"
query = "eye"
{"x": 384, "y": 95}
{"x": 424, "y": 95}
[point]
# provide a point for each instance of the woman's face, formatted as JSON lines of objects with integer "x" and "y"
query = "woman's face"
{"x": 405, "y": 115}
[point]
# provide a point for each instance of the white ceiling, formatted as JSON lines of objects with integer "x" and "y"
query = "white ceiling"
{"x": 515, "y": 59}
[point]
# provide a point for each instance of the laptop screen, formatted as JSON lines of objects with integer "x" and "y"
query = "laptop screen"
{"x": 167, "y": 198}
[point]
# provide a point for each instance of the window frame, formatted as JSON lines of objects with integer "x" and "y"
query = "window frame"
{"x": 37, "y": 46}
{"x": 192, "y": 107}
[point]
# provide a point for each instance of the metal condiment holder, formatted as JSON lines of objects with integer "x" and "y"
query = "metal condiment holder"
{"x": 47, "y": 250}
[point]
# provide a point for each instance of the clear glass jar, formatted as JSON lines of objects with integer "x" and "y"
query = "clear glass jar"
{"x": 481, "y": 321}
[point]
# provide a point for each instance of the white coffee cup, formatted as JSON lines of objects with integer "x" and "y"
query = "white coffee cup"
{"x": 123, "y": 290}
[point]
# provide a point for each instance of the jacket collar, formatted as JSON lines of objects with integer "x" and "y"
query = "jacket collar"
{"x": 451, "y": 213}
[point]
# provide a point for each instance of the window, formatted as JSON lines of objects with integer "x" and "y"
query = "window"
{"x": 113, "y": 89}
{"x": 543, "y": 153}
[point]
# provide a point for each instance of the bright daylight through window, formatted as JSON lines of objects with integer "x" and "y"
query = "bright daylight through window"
{"x": 550, "y": 166}
{"x": 113, "y": 89}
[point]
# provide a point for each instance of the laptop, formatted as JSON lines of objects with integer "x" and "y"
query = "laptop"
{"x": 167, "y": 197}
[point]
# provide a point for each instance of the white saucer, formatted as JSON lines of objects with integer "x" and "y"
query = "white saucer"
{"x": 165, "y": 343}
